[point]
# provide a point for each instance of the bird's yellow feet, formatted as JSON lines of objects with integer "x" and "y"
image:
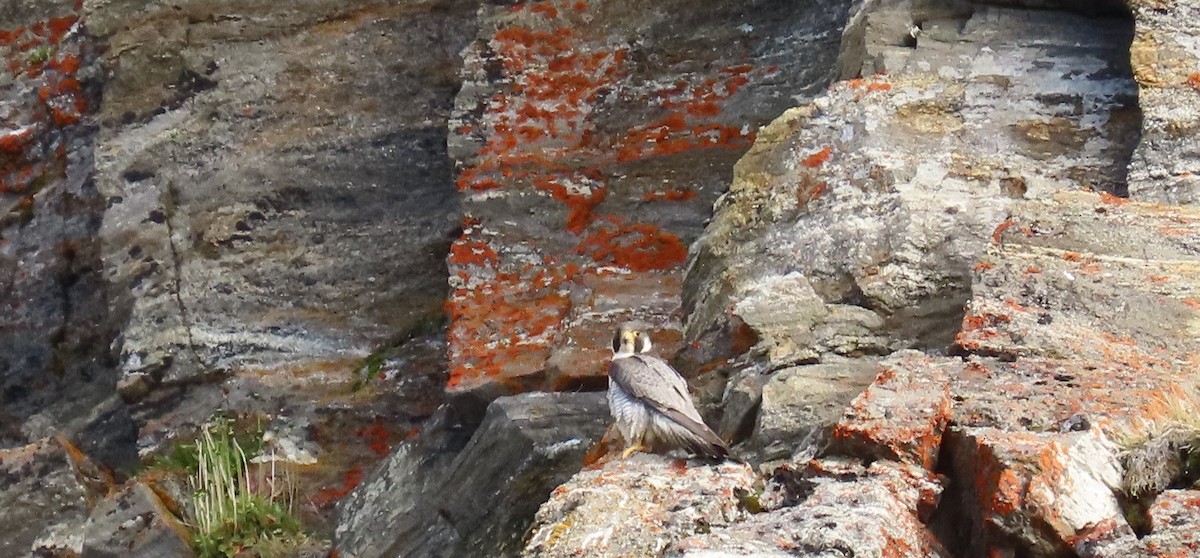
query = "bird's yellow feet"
{"x": 632, "y": 450}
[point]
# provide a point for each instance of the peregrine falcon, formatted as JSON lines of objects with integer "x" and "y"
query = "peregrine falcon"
{"x": 650, "y": 401}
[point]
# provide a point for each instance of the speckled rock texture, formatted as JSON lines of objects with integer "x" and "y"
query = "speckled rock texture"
{"x": 831, "y": 508}
{"x": 638, "y": 507}
{"x": 591, "y": 139}
{"x": 1173, "y": 517}
{"x": 1166, "y": 62}
{"x": 56, "y": 371}
{"x": 431, "y": 498}
{"x": 46, "y": 492}
{"x": 134, "y": 523}
{"x": 924, "y": 308}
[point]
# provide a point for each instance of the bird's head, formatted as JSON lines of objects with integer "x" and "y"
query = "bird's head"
{"x": 630, "y": 339}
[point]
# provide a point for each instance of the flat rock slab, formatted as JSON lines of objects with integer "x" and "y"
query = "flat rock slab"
{"x": 480, "y": 501}
{"x": 638, "y": 507}
{"x": 835, "y": 508}
{"x": 1080, "y": 331}
{"x": 591, "y": 140}
{"x": 1088, "y": 276}
{"x": 869, "y": 206}
{"x": 134, "y": 523}
{"x": 902, "y": 415}
{"x": 1037, "y": 492}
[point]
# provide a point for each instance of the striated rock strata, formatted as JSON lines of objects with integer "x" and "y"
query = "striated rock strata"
{"x": 852, "y": 225}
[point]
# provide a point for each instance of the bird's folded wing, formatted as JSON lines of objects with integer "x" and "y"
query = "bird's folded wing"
{"x": 653, "y": 382}
{"x": 658, "y": 386}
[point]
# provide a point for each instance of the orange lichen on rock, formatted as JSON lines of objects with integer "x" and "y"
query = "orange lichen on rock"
{"x": 636, "y": 247}
{"x": 377, "y": 438}
{"x": 817, "y": 159}
{"x": 914, "y": 396}
{"x": 1001, "y": 229}
{"x": 44, "y": 64}
{"x": 1194, "y": 80}
{"x": 472, "y": 252}
{"x": 331, "y": 495}
{"x": 581, "y": 202}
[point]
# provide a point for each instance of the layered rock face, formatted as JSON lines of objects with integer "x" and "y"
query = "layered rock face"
{"x": 978, "y": 170}
{"x": 852, "y": 226}
{"x": 55, "y": 367}
{"x": 1167, "y": 65}
{"x": 923, "y": 309}
{"x": 270, "y": 201}
{"x": 592, "y": 139}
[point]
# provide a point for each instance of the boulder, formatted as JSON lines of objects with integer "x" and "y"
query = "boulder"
{"x": 134, "y": 523}
{"x": 901, "y": 416}
{"x": 427, "y": 499}
{"x": 638, "y": 507}
{"x": 833, "y": 508}
{"x": 802, "y": 404}
{"x": 47, "y": 489}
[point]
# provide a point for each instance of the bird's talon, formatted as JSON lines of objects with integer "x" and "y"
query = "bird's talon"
{"x": 632, "y": 450}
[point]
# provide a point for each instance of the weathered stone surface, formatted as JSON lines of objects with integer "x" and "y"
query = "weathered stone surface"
{"x": 1035, "y": 492}
{"x": 592, "y": 139}
{"x": 1049, "y": 286}
{"x": 56, "y": 371}
{"x": 802, "y": 404}
{"x": 279, "y": 194}
{"x": 835, "y": 508}
{"x": 1173, "y": 520}
{"x": 427, "y": 499}
{"x": 638, "y": 507}
{"x": 866, "y": 209}
{"x": 134, "y": 523}
{"x": 1166, "y": 62}
{"x": 44, "y": 498}
{"x": 902, "y": 415}
{"x": 1086, "y": 293}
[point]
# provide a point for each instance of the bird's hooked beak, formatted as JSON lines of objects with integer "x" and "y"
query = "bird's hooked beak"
{"x": 630, "y": 341}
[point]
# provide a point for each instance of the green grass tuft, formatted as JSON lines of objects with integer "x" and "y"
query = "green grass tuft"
{"x": 230, "y": 518}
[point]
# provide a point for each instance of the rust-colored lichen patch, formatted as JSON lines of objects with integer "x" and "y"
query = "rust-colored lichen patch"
{"x": 637, "y": 247}
{"x": 45, "y": 63}
{"x": 331, "y": 495}
{"x": 817, "y": 159}
{"x": 545, "y": 138}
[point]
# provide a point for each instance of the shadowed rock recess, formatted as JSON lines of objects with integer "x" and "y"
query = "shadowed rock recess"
{"x": 932, "y": 267}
